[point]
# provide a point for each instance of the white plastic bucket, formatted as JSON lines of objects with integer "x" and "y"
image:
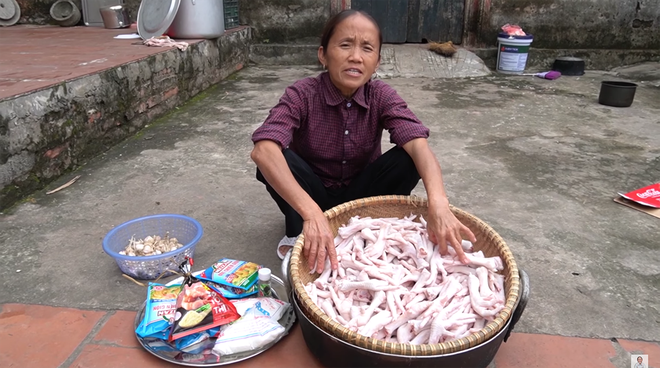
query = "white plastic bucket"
{"x": 198, "y": 19}
{"x": 512, "y": 53}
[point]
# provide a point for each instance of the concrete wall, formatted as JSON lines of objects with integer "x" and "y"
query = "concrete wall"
{"x": 285, "y": 21}
{"x": 47, "y": 133}
{"x": 558, "y": 24}
{"x": 38, "y": 11}
{"x": 133, "y": 6}
{"x": 569, "y": 24}
{"x": 273, "y": 21}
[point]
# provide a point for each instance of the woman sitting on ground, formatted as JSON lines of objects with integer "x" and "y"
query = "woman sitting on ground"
{"x": 320, "y": 146}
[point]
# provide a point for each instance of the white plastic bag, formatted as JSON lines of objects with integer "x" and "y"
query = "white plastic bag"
{"x": 256, "y": 329}
{"x": 269, "y": 306}
{"x": 242, "y": 305}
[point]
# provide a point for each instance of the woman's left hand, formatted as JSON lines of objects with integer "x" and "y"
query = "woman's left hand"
{"x": 444, "y": 228}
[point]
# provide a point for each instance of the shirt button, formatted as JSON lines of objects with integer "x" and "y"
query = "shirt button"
{"x": 345, "y": 132}
{"x": 343, "y": 162}
{"x": 348, "y": 104}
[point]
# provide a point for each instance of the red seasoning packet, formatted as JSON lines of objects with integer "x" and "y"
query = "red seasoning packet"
{"x": 647, "y": 196}
{"x": 199, "y": 308}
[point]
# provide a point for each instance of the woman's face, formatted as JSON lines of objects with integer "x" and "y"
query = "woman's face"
{"x": 352, "y": 55}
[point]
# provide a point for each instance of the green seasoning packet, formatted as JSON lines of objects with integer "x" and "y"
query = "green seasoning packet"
{"x": 233, "y": 273}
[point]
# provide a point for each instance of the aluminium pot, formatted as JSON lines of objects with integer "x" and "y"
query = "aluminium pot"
{"x": 65, "y": 13}
{"x": 198, "y": 19}
{"x": 115, "y": 17}
{"x": 334, "y": 352}
{"x": 10, "y": 13}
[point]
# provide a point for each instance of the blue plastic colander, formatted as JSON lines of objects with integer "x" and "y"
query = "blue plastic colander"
{"x": 187, "y": 231}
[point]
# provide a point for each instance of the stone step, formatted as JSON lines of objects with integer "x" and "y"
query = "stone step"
{"x": 70, "y": 93}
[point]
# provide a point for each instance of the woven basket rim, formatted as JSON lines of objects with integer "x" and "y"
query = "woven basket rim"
{"x": 336, "y": 329}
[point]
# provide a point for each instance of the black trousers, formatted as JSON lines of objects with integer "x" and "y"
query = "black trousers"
{"x": 394, "y": 172}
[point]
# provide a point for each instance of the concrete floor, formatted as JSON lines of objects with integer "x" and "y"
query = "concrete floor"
{"x": 538, "y": 160}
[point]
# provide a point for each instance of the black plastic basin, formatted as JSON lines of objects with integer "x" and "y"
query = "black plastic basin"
{"x": 617, "y": 94}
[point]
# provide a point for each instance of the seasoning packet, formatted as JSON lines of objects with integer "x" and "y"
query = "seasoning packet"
{"x": 270, "y": 308}
{"x": 161, "y": 346}
{"x": 195, "y": 343}
{"x": 256, "y": 329}
{"x": 191, "y": 344}
{"x": 275, "y": 305}
{"x": 214, "y": 332}
{"x": 232, "y": 273}
{"x": 205, "y": 357}
{"x": 198, "y": 307}
{"x": 161, "y": 304}
{"x": 230, "y": 292}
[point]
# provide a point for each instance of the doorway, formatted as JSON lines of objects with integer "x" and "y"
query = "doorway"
{"x": 416, "y": 21}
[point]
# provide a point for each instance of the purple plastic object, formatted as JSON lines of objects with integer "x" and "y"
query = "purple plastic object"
{"x": 552, "y": 75}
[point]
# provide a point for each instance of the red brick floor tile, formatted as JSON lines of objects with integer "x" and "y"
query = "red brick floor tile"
{"x": 40, "y": 336}
{"x": 119, "y": 331}
{"x": 49, "y": 55}
{"x": 290, "y": 352}
{"x": 641, "y": 347}
{"x": 102, "y": 356}
{"x": 546, "y": 351}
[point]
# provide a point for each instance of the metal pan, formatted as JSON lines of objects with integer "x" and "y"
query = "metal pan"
{"x": 333, "y": 352}
{"x": 287, "y": 320}
{"x": 91, "y": 11}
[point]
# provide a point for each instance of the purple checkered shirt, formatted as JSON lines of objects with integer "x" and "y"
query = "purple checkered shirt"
{"x": 337, "y": 137}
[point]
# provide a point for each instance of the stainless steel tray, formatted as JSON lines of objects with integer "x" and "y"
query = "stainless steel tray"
{"x": 287, "y": 321}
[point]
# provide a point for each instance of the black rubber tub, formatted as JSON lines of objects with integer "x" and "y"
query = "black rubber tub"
{"x": 617, "y": 94}
{"x": 568, "y": 65}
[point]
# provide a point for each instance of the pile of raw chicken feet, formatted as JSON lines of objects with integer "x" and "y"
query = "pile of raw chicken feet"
{"x": 393, "y": 284}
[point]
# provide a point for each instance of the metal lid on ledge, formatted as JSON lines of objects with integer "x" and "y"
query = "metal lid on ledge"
{"x": 10, "y": 12}
{"x": 155, "y": 17}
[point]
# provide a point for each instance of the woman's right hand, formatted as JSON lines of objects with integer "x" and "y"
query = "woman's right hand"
{"x": 319, "y": 242}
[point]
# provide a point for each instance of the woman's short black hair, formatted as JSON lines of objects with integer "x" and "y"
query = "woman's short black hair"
{"x": 330, "y": 26}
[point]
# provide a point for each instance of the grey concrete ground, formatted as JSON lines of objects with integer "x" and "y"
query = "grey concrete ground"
{"x": 538, "y": 160}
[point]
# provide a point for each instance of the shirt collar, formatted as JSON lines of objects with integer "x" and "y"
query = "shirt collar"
{"x": 333, "y": 97}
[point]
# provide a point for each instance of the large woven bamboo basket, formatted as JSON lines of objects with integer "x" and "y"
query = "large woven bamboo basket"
{"x": 488, "y": 241}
